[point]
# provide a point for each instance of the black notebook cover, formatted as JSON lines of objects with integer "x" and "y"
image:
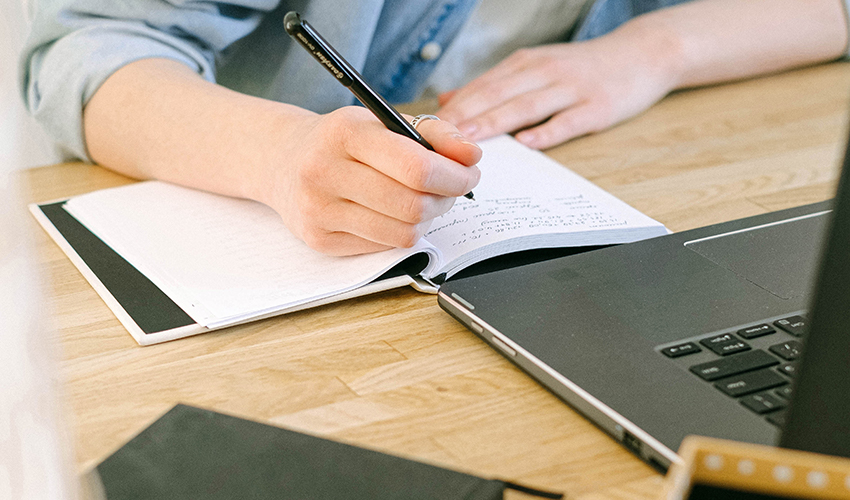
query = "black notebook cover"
{"x": 194, "y": 453}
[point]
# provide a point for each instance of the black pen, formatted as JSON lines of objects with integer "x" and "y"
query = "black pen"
{"x": 328, "y": 57}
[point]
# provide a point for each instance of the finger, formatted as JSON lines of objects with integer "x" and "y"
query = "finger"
{"x": 517, "y": 62}
{"x": 522, "y": 111}
{"x": 492, "y": 88}
{"x": 354, "y": 229}
{"x": 445, "y": 97}
{"x": 363, "y": 185}
{"x": 446, "y": 140}
{"x": 577, "y": 121}
{"x": 341, "y": 244}
{"x": 373, "y": 226}
{"x": 408, "y": 162}
{"x": 474, "y": 100}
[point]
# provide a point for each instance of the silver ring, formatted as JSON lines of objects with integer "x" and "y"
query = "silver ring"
{"x": 421, "y": 118}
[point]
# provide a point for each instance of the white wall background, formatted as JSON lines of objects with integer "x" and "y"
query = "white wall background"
{"x": 22, "y": 142}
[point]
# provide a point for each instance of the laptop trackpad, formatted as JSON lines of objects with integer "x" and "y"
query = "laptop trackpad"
{"x": 780, "y": 258}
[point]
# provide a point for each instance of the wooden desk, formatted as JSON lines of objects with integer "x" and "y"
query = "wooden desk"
{"x": 392, "y": 371}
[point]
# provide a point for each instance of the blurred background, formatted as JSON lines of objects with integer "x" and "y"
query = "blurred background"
{"x": 36, "y": 460}
{"x": 22, "y": 143}
{"x": 35, "y": 453}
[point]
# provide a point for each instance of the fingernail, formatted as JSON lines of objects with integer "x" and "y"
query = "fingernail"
{"x": 463, "y": 140}
{"x": 527, "y": 138}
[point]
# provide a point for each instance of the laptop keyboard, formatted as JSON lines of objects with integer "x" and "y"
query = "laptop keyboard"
{"x": 754, "y": 365}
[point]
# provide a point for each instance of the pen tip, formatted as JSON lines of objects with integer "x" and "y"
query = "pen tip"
{"x": 469, "y": 196}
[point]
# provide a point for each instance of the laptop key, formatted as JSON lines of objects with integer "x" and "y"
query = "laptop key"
{"x": 763, "y": 402}
{"x": 680, "y": 350}
{"x": 756, "y": 331}
{"x": 789, "y": 369}
{"x": 750, "y": 382}
{"x": 784, "y": 392}
{"x": 733, "y": 365}
{"x": 718, "y": 339}
{"x": 777, "y": 418}
{"x": 795, "y": 325}
{"x": 789, "y": 351}
{"x": 726, "y": 344}
{"x": 732, "y": 348}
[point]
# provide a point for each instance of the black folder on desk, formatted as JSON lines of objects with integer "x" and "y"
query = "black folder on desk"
{"x": 194, "y": 453}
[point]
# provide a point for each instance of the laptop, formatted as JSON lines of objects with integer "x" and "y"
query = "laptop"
{"x": 699, "y": 332}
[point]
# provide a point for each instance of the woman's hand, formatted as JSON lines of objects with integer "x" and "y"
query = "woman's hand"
{"x": 349, "y": 185}
{"x": 557, "y": 92}
{"x": 342, "y": 182}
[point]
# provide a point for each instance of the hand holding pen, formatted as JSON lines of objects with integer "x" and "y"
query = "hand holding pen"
{"x": 340, "y": 181}
{"x": 353, "y": 185}
{"x": 302, "y": 32}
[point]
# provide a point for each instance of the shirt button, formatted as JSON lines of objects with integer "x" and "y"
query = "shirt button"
{"x": 430, "y": 51}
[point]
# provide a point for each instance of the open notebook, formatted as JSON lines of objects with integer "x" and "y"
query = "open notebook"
{"x": 225, "y": 261}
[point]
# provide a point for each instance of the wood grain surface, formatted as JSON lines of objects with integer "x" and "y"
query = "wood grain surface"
{"x": 392, "y": 371}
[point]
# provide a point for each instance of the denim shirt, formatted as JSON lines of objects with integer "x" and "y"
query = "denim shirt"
{"x": 76, "y": 44}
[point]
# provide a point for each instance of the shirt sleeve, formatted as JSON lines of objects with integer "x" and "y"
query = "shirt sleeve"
{"x": 75, "y": 45}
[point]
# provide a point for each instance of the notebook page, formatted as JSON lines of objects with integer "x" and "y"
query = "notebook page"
{"x": 220, "y": 259}
{"x": 523, "y": 198}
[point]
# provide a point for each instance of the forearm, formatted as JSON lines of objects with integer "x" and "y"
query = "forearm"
{"x": 341, "y": 181}
{"x": 156, "y": 118}
{"x": 709, "y": 41}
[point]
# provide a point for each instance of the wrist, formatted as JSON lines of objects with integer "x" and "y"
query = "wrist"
{"x": 274, "y": 132}
{"x": 657, "y": 48}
